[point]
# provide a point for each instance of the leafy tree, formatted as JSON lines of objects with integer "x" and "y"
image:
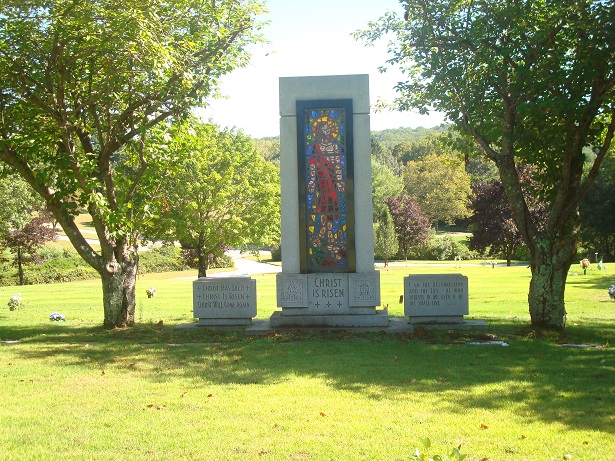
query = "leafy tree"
{"x": 28, "y": 239}
{"x": 408, "y": 151}
{"x": 17, "y": 202}
{"x": 269, "y": 148}
{"x": 494, "y": 231}
{"x": 224, "y": 194}
{"x": 385, "y": 238}
{"x": 440, "y": 185}
{"x": 383, "y": 156}
{"x": 385, "y": 184}
{"x": 492, "y": 224}
{"x": 531, "y": 82}
{"x": 597, "y": 211}
{"x": 23, "y": 225}
{"x": 411, "y": 224}
{"x": 84, "y": 81}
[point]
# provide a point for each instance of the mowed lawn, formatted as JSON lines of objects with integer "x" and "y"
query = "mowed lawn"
{"x": 73, "y": 391}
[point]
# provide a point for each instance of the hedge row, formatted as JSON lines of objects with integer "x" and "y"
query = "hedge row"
{"x": 57, "y": 265}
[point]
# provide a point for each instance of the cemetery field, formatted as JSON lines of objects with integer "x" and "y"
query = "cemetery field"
{"x": 73, "y": 391}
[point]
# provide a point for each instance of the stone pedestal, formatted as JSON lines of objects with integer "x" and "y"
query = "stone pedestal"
{"x": 224, "y": 301}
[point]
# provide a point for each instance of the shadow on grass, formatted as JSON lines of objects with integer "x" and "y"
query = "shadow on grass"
{"x": 536, "y": 376}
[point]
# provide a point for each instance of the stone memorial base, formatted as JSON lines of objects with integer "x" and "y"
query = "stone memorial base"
{"x": 374, "y": 320}
{"x": 224, "y": 301}
{"x": 323, "y": 300}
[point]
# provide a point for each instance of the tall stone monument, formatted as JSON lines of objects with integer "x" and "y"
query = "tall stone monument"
{"x": 328, "y": 277}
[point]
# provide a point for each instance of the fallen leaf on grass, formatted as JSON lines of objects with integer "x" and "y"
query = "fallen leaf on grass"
{"x": 567, "y": 456}
{"x": 395, "y": 359}
{"x": 484, "y": 426}
{"x": 210, "y": 395}
{"x": 486, "y": 459}
{"x": 322, "y": 414}
{"x": 585, "y": 442}
{"x": 523, "y": 437}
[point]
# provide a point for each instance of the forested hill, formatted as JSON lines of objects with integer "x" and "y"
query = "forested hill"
{"x": 269, "y": 147}
{"x": 399, "y": 135}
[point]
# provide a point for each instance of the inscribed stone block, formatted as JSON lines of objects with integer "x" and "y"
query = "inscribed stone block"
{"x": 224, "y": 298}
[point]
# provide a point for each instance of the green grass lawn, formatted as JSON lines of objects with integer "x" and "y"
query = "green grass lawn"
{"x": 73, "y": 391}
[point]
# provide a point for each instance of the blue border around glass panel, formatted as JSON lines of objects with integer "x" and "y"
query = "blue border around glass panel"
{"x": 345, "y": 211}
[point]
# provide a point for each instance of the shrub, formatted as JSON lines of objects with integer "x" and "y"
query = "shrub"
{"x": 166, "y": 258}
{"x": 441, "y": 249}
{"x": 276, "y": 253}
{"x": 216, "y": 262}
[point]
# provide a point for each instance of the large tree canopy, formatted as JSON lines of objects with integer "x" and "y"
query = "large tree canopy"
{"x": 82, "y": 80}
{"x": 532, "y": 82}
{"x": 441, "y": 187}
{"x": 223, "y": 193}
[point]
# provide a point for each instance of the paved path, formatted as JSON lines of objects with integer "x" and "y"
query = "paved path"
{"x": 244, "y": 266}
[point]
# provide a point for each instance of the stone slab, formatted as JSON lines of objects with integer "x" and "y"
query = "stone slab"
{"x": 224, "y": 322}
{"x": 378, "y": 319}
{"x": 436, "y": 295}
{"x": 395, "y": 326}
{"x": 479, "y": 325}
{"x": 364, "y": 288}
{"x": 291, "y": 290}
{"x": 328, "y": 293}
{"x": 224, "y": 298}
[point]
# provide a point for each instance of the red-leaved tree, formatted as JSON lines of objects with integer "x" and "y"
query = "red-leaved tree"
{"x": 411, "y": 223}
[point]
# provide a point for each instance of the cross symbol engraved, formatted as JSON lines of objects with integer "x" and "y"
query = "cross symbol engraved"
{"x": 328, "y": 304}
{"x": 339, "y": 304}
{"x": 317, "y": 304}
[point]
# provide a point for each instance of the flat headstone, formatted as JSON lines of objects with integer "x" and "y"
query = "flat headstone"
{"x": 224, "y": 301}
{"x": 436, "y": 298}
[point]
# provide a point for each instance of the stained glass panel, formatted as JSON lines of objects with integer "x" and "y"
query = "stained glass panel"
{"x": 326, "y": 177}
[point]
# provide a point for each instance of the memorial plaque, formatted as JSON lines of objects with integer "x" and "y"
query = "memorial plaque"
{"x": 436, "y": 298}
{"x": 219, "y": 298}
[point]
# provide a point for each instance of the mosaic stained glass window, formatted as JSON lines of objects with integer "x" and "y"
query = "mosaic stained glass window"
{"x": 324, "y": 157}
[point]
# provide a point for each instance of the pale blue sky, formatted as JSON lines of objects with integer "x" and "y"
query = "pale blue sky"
{"x": 310, "y": 38}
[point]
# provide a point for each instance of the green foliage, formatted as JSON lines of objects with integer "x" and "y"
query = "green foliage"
{"x": 276, "y": 253}
{"x": 269, "y": 149}
{"x": 597, "y": 211}
{"x": 385, "y": 238}
{"x": 166, "y": 258}
{"x": 441, "y": 186}
{"x": 51, "y": 270}
{"x": 529, "y": 84}
{"x": 442, "y": 249}
{"x": 101, "y": 75}
{"x": 222, "y": 193}
{"x": 17, "y": 203}
{"x": 385, "y": 184}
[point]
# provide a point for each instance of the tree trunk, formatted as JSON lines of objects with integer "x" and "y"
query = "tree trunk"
{"x": 118, "y": 283}
{"x": 550, "y": 265}
{"x": 203, "y": 256}
{"x": 203, "y": 262}
{"x": 20, "y": 266}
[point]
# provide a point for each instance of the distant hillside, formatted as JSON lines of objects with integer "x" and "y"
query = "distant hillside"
{"x": 398, "y": 135}
{"x": 390, "y": 135}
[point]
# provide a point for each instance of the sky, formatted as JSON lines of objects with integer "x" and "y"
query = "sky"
{"x": 309, "y": 38}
